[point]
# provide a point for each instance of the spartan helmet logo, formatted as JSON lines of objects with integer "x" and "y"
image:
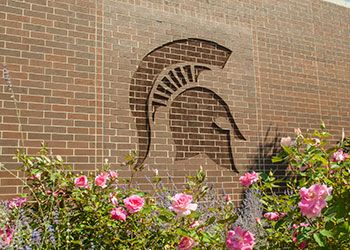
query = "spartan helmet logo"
{"x": 200, "y": 120}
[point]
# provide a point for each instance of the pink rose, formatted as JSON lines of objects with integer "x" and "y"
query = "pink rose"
{"x": 239, "y": 239}
{"x": 181, "y": 204}
{"x": 36, "y": 176}
{"x": 313, "y": 200}
{"x": 258, "y": 220}
{"x": 186, "y": 243}
{"x": 228, "y": 198}
{"x": 272, "y": 216}
{"x": 113, "y": 199}
{"x": 134, "y": 203}
{"x": 287, "y": 142}
{"x": 101, "y": 180}
{"x": 339, "y": 156}
{"x": 81, "y": 181}
{"x": 16, "y": 202}
{"x": 113, "y": 174}
{"x": 283, "y": 215}
{"x": 118, "y": 213}
{"x": 248, "y": 179}
{"x": 195, "y": 224}
{"x": 303, "y": 244}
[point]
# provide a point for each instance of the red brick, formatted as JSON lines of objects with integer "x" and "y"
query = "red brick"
{"x": 69, "y": 85}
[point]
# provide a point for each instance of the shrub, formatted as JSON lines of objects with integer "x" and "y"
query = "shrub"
{"x": 313, "y": 210}
{"x": 306, "y": 208}
{"x": 99, "y": 210}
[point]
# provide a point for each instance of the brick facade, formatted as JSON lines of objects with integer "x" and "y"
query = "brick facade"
{"x": 185, "y": 83}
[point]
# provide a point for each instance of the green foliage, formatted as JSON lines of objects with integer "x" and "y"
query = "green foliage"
{"x": 68, "y": 210}
{"x": 69, "y": 216}
{"x": 310, "y": 161}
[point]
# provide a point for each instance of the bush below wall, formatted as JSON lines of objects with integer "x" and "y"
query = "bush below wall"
{"x": 308, "y": 208}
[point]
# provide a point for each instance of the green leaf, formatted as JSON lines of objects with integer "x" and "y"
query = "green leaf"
{"x": 77, "y": 242}
{"x": 163, "y": 218}
{"x": 346, "y": 226}
{"x": 318, "y": 239}
{"x": 181, "y": 232}
{"x": 206, "y": 238}
{"x": 335, "y": 166}
{"x": 321, "y": 159}
{"x": 276, "y": 159}
{"x": 211, "y": 220}
{"x": 88, "y": 209}
{"x": 279, "y": 223}
{"x": 275, "y": 186}
{"x": 288, "y": 150}
{"x": 36, "y": 171}
{"x": 264, "y": 176}
{"x": 326, "y": 233}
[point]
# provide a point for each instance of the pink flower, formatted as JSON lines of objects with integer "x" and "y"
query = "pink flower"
{"x": 36, "y": 176}
{"x": 282, "y": 215}
{"x": 248, "y": 179}
{"x": 195, "y": 224}
{"x": 113, "y": 174}
{"x": 340, "y": 156}
{"x": 16, "y": 202}
{"x": 101, "y": 180}
{"x": 272, "y": 216}
{"x": 316, "y": 141}
{"x": 258, "y": 220}
{"x": 303, "y": 244}
{"x": 58, "y": 192}
{"x": 81, "y": 181}
{"x": 239, "y": 239}
{"x": 113, "y": 199}
{"x": 118, "y": 213}
{"x": 181, "y": 204}
{"x": 6, "y": 235}
{"x": 287, "y": 142}
{"x": 313, "y": 200}
{"x": 228, "y": 198}
{"x": 134, "y": 203}
{"x": 186, "y": 243}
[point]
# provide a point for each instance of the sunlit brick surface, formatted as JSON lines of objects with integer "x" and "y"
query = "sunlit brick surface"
{"x": 75, "y": 67}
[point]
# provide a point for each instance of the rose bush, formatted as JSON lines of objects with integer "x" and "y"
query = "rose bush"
{"x": 98, "y": 210}
{"x": 309, "y": 206}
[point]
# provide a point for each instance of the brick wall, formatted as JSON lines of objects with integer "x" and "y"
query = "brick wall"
{"x": 82, "y": 72}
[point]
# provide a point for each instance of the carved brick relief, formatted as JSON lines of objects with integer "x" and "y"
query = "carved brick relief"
{"x": 200, "y": 120}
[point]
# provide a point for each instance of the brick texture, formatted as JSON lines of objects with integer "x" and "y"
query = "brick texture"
{"x": 82, "y": 71}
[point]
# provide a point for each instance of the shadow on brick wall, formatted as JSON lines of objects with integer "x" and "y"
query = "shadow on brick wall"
{"x": 269, "y": 147}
